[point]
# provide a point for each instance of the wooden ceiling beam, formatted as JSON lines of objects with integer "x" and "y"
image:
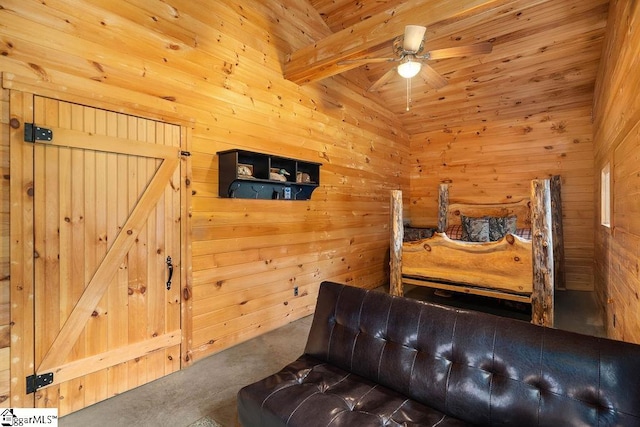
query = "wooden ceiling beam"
{"x": 320, "y": 60}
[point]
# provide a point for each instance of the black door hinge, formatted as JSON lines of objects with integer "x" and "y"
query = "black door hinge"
{"x": 185, "y": 153}
{"x": 33, "y": 133}
{"x": 35, "y": 382}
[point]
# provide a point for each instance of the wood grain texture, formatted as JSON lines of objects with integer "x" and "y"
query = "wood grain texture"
{"x": 559, "y": 268}
{"x": 511, "y": 268}
{"x": 541, "y": 50}
{"x": 494, "y": 163}
{"x": 542, "y": 297}
{"x": 519, "y": 113}
{"x": 502, "y": 265}
{"x": 396, "y": 237}
{"x": 321, "y": 59}
{"x": 443, "y": 208}
{"x": 5, "y": 258}
{"x": 467, "y": 289}
{"x": 104, "y": 319}
{"x": 22, "y": 251}
{"x": 521, "y": 209}
{"x": 91, "y": 293}
{"x": 617, "y": 143}
{"x": 220, "y": 73}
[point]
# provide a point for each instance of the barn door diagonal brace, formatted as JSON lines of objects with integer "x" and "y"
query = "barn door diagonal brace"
{"x": 33, "y": 133}
{"x": 97, "y": 286}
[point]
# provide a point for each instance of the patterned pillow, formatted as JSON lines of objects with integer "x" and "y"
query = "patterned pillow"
{"x": 525, "y": 233}
{"x": 511, "y": 222}
{"x": 454, "y": 232}
{"x": 411, "y": 234}
{"x": 501, "y": 226}
{"x": 475, "y": 229}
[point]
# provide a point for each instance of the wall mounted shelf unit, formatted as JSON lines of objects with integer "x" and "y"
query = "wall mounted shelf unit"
{"x": 250, "y": 175}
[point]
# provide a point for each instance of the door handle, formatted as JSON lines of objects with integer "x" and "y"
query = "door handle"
{"x": 170, "y": 267}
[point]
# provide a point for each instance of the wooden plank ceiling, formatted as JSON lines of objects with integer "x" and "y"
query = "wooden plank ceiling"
{"x": 542, "y": 49}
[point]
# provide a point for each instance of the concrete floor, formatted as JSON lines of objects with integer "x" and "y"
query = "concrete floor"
{"x": 208, "y": 388}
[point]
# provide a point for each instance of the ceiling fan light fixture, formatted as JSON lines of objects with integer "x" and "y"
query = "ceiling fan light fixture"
{"x": 409, "y": 68}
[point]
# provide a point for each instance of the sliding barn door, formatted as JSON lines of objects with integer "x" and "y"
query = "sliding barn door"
{"x": 107, "y": 242}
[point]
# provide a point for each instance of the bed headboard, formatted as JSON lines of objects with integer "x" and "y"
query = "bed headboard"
{"x": 521, "y": 209}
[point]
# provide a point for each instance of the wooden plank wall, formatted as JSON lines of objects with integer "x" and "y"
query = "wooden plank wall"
{"x": 220, "y": 74}
{"x": 494, "y": 162}
{"x": 526, "y": 116}
{"x": 617, "y": 142}
{"x": 5, "y": 313}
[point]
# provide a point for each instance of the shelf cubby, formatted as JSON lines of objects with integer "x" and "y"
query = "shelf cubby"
{"x": 250, "y": 175}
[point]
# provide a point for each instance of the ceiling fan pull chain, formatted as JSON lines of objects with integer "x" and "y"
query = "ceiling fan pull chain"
{"x": 408, "y": 93}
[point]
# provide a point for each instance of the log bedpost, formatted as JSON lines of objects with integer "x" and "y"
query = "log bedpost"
{"x": 542, "y": 300}
{"x": 397, "y": 233}
{"x": 443, "y": 207}
{"x": 558, "y": 239}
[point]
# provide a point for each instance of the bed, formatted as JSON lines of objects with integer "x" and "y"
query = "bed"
{"x": 521, "y": 262}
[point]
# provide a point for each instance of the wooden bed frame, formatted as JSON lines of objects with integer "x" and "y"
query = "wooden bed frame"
{"x": 511, "y": 268}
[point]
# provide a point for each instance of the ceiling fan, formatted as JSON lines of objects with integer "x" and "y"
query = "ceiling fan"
{"x": 408, "y": 49}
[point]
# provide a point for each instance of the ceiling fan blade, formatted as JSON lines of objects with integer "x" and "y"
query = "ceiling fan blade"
{"x": 383, "y": 80}
{"x": 413, "y": 36}
{"x": 432, "y": 77}
{"x": 453, "y": 52}
{"x": 363, "y": 61}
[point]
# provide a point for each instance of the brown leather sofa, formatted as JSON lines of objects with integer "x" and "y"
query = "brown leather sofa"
{"x": 376, "y": 360}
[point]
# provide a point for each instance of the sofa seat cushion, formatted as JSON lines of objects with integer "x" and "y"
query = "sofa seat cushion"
{"x": 309, "y": 392}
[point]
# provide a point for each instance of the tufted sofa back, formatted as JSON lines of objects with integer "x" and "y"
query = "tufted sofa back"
{"x": 477, "y": 367}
